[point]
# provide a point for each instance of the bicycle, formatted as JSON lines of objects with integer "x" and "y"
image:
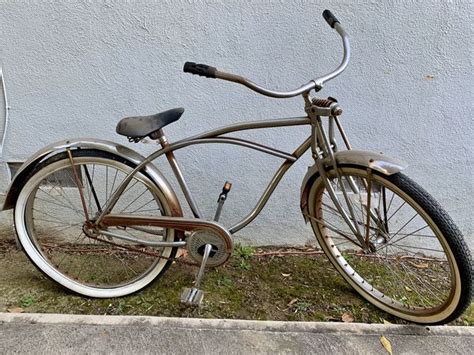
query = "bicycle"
{"x": 101, "y": 219}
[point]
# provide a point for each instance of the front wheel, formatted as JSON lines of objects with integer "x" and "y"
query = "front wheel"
{"x": 50, "y": 220}
{"x": 402, "y": 252}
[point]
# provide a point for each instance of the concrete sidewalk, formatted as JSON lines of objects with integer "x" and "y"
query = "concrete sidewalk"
{"x": 58, "y": 333}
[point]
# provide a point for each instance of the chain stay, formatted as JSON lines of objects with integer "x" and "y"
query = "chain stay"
{"x": 149, "y": 253}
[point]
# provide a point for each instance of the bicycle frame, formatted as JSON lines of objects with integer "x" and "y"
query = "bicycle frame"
{"x": 324, "y": 152}
{"x": 215, "y": 136}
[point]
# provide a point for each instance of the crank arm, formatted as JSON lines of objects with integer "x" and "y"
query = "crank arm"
{"x": 193, "y": 296}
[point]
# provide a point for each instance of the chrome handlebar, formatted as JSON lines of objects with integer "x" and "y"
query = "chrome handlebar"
{"x": 345, "y": 59}
{"x": 316, "y": 84}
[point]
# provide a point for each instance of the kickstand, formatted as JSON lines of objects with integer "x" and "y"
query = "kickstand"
{"x": 193, "y": 296}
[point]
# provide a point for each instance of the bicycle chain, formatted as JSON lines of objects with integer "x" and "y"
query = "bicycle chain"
{"x": 150, "y": 253}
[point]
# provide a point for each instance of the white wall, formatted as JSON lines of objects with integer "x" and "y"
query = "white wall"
{"x": 75, "y": 68}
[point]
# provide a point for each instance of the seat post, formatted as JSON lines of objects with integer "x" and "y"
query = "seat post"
{"x": 160, "y": 136}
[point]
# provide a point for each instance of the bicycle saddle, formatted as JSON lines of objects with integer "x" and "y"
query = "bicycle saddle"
{"x": 142, "y": 126}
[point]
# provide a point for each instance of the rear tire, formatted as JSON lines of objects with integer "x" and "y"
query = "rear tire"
{"x": 419, "y": 267}
{"x": 49, "y": 219}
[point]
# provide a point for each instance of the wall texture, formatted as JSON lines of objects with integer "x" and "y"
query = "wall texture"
{"x": 75, "y": 68}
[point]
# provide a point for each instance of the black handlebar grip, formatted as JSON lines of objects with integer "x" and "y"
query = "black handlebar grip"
{"x": 200, "y": 69}
{"x": 330, "y": 18}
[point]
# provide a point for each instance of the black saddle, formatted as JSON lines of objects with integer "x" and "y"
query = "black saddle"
{"x": 139, "y": 127}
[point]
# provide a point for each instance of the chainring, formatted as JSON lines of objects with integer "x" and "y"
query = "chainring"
{"x": 221, "y": 247}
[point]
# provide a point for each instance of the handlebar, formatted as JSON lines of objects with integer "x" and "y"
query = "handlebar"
{"x": 330, "y": 18}
{"x": 200, "y": 69}
{"x": 316, "y": 84}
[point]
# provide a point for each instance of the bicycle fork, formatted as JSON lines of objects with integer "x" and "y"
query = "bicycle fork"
{"x": 323, "y": 149}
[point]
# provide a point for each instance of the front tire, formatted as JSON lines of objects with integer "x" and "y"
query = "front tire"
{"x": 416, "y": 264}
{"x": 49, "y": 220}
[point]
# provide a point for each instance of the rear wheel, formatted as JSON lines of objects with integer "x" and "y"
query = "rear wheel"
{"x": 49, "y": 219}
{"x": 409, "y": 259}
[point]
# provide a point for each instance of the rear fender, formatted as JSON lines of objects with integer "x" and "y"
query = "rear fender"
{"x": 89, "y": 143}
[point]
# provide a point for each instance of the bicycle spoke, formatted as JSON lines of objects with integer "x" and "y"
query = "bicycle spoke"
{"x": 61, "y": 191}
{"x": 106, "y": 183}
{"x": 54, "y": 203}
{"x": 113, "y": 182}
{"x": 133, "y": 201}
{"x": 65, "y": 254}
{"x": 406, "y": 235}
{"x": 146, "y": 204}
{"x": 335, "y": 230}
{"x": 405, "y": 247}
{"x": 67, "y": 201}
{"x": 369, "y": 191}
{"x": 55, "y": 222}
{"x": 47, "y": 214}
{"x": 398, "y": 209}
{"x": 127, "y": 266}
{"x": 390, "y": 203}
{"x": 418, "y": 235}
{"x": 411, "y": 219}
{"x": 429, "y": 286}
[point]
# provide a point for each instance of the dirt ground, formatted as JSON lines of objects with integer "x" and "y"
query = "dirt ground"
{"x": 289, "y": 287}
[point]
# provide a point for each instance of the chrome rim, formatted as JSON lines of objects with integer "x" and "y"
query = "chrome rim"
{"x": 409, "y": 270}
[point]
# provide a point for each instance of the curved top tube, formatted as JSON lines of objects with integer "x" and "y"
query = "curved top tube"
{"x": 214, "y": 137}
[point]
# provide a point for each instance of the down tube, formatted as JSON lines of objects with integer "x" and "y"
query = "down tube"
{"x": 271, "y": 187}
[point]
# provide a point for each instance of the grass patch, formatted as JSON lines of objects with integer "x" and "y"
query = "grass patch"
{"x": 302, "y": 288}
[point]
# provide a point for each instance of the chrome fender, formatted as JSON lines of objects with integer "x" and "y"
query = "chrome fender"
{"x": 90, "y": 143}
{"x": 362, "y": 158}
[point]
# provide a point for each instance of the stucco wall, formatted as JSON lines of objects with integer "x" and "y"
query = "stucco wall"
{"x": 75, "y": 68}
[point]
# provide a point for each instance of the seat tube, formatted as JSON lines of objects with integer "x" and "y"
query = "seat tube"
{"x": 178, "y": 174}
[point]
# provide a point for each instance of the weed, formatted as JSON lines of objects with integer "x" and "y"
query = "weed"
{"x": 348, "y": 257}
{"x": 244, "y": 264}
{"x": 302, "y": 306}
{"x": 244, "y": 254}
{"x": 27, "y": 301}
{"x": 243, "y": 251}
{"x": 224, "y": 281}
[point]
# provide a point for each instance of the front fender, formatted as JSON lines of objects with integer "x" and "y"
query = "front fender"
{"x": 89, "y": 143}
{"x": 362, "y": 158}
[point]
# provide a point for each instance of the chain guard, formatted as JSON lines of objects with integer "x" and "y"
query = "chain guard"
{"x": 221, "y": 247}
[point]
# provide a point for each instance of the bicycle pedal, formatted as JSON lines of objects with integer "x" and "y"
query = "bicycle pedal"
{"x": 192, "y": 296}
